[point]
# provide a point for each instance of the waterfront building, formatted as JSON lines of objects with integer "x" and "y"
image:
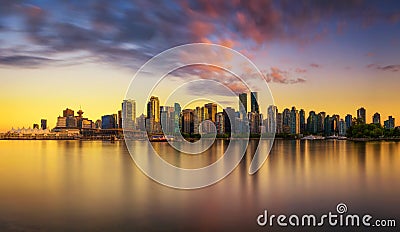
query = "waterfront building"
{"x": 220, "y": 123}
{"x": 376, "y": 119}
{"x": 361, "y": 115}
{"x": 229, "y": 120}
{"x": 279, "y": 129}
{"x": 153, "y": 114}
{"x": 211, "y": 109}
{"x": 270, "y": 124}
{"x": 327, "y": 126}
{"x": 72, "y": 122}
{"x": 141, "y": 123}
{"x": 128, "y": 114}
{"x": 335, "y": 124}
{"x": 98, "y": 124}
{"x": 61, "y": 122}
{"x": 286, "y": 121}
{"x": 294, "y": 121}
{"x": 349, "y": 121}
{"x": 312, "y": 123}
{"x": 254, "y": 102}
{"x": 177, "y": 116}
{"x": 243, "y": 105}
{"x": 302, "y": 115}
{"x": 342, "y": 127}
{"x": 109, "y": 121}
{"x": 390, "y": 123}
{"x": 68, "y": 113}
{"x": 254, "y": 122}
{"x": 167, "y": 119}
{"x": 43, "y": 124}
{"x": 187, "y": 121}
{"x": 321, "y": 122}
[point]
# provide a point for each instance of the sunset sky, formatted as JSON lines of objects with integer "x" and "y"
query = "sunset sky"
{"x": 332, "y": 56}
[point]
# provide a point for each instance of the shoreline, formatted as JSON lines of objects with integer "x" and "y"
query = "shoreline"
{"x": 227, "y": 139}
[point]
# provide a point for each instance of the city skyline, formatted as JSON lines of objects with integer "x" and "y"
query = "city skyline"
{"x": 339, "y": 55}
{"x": 158, "y": 114}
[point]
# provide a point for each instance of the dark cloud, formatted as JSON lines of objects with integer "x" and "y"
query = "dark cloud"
{"x": 25, "y": 61}
{"x": 314, "y": 65}
{"x": 127, "y": 33}
{"x": 391, "y": 68}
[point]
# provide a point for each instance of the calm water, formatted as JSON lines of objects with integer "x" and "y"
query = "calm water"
{"x": 95, "y": 186}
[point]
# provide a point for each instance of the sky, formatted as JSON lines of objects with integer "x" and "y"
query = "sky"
{"x": 332, "y": 56}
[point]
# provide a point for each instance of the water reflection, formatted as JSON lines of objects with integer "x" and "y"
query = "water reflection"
{"x": 93, "y": 185}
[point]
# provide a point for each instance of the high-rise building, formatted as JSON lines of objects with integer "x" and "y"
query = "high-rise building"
{"x": 68, "y": 113}
{"x": 141, "y": 122}
{"x": 109, "y": 121}
{"x": 211, "y": 111}
{"x": 286, "y": 121}
{"x": 43, "y": 124}
{"x": 220, "y": 123}
{"x": 254, "y": 122}
{"x": 335, "y": 119}
{"x": 229, "y": 120}
{"x": 376, "y": 119}
{"x": 390, "y": 123}
{"x": 167, "y": 119}
{"x": 254, "y": 102}
{"x": 177, "y": 116}
{"x": 243, "y": 105}
{"x": 349, "y": 121}
{"x": 153, "y": 114}
{"x": 271, "y": 119}
{"x": 187, "y": 121}
{"x": 312, "y": 123}
{"x": 128, "y": 114}
{"x": 279, "y": 129}
{"x": 302, "y": 115}
{"x": 321, "y": 122}
{"x": 361, "y": 115}
{"x": 327, "y": 126}
{"x": 294, "y": 121}
{"x": 120, "y": 119}
{"x": 342, "y": 127}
